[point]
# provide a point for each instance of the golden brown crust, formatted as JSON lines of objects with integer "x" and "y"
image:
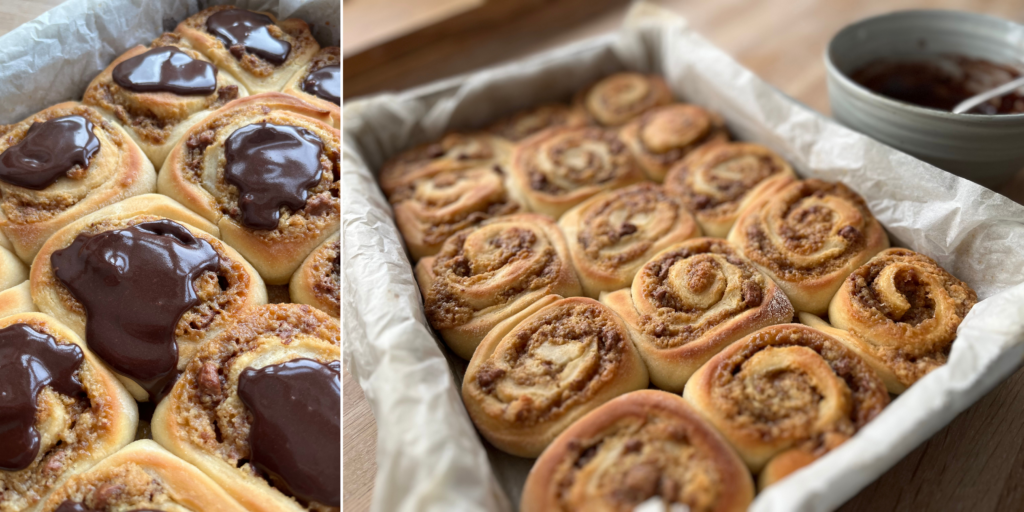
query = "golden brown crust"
{"x": 786, "y": 388}
{"x": 642, "y": 444}
{"x": 561, "y": 167}
{"x": 257, "y": 74}
{"x": 318, "y": 280}
{"x": 719, "y": 181}
{"x": 194, "y": 176}
{"x": 808, "y": 237}
{"x": 525, "y": 123}
{"x": 691, "y": 301}
{"x": 490, "y": 272}
{"x": 330, "y": 56}
{"x": 544, "y": 368}
{"x": 617, "y": 99}
{"x": 665, "y": 135}
{"x": 13, "y": 271}
{"x": 454, "y": 152}
{"x": 204, "y": 421}
{"x": 75, "y": 432}
{"x": 17, "y": 299}
{"x": 612, "y": 234}
{"x": 119, "y": 170}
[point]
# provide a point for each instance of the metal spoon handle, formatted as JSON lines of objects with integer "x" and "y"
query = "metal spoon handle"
{"x": 978, "y": 99}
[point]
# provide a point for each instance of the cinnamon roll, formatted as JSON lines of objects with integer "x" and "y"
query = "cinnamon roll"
{"x": 665, "y": 135}
{"x": 62, "y": 410}
{"x": 158, "y": 93}
{"x": 718, "y": 181}
{"x": 808, "y": 237}
{"x": 266, "y": 169}
{"x": 617, "y": 99}
{"x": 434, "y": 207}
{"x": 561, "y": 167}
{"x": 175, "y": 286}
{"x": 527, "y": 122}
{"x": 785, "y": 395}
{"x": 488, "y": 273}
{"x": 640, "y": 445}
{"x": 320, "y": 82}
{"x": 258, "y": 410}
{"x": 692, "y": 300}
{"x": 544, "y": 368}
{"x": 62, "y": 164}
{"x": 260, "y": 51}
{"x": 318, "y": 280}
{"x": 612, "y": 234}
{"x": 141, "y": 477}
{"x": 454, "y": 152}
{"x": 899, "y": 312}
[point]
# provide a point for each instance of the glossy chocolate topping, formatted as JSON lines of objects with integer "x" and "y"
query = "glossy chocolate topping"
{"x": 296, "y": 408}
{"x": 166, "y": 69}
{"x": 272, "y": 166}
{"x": 324, "y": 83}
{"x": 135, "y": 284}
{"x": 48, "y": 151}
{"x": 30, "y": 360}
{"x": 240, "y": 27}
{"x": 74, "y": 506}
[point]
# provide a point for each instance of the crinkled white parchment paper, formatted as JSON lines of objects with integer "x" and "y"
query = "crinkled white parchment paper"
{"x": 429, "y": 456}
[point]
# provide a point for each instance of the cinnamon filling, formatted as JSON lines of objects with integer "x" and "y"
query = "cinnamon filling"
{"x": 730, "y": 173}
{"x": 626, "y": 226}
{"x": 586, "y": 157}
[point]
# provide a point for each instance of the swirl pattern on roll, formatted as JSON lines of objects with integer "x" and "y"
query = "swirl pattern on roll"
{"x": 691, "y": 301}
{"x": 785, "y": 395}
{"x": 665, "y": 135}
{"x": 808, "y": 237}
{"x": 527, "y": 122}
{"x": 544, "y": 368}
{"x": 489, "y": 272}
{"x": 561, "y": 167}
{"x": 617, "y": 99}
{"x": 718, "y": 181}
{"x": 453, "y": 152}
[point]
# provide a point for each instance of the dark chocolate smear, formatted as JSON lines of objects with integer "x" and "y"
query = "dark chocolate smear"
{"x": 48, "y": 151}
{"x": 272, "y": 166}
{"x": 29, "y": 361}
{"x": 135, "y": 284}
{"x": 74, "y": 506}
{"x": 296, "y": 408}
{"x": 167, "y": 69}
{"x": 324, "y": 83}
{"x": 240, "y": 27}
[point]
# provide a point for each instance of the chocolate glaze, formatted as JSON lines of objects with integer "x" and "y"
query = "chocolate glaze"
{"x": 166, "y": 69}
{"x": 324, "y": 83}
{"x": 135, "y": 284}
{"x": 48, "y": 151}
{"x": 74, "y": 506}
{"x": 272, "y": 166}
{"x": 240, "y": 27}
{"x": 296, "y": 408}
{"x": 29, "y": 361}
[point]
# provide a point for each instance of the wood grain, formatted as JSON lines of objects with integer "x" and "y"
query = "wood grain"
{"x": 15, "y": 12}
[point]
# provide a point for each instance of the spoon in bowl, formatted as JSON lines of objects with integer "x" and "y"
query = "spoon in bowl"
{"x": 978, "y": 99}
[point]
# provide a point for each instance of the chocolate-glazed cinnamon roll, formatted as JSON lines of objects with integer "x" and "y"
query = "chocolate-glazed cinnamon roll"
{"x": 260, "y": 51}
{"x": 718, "y": 181}
{"x": 320, "y": 82}
{"x": 612, "y": 234}
{"x": 488, "y": 273}
{"x": 665, "y": 135}
{"x": 63, "y": 411}
{"x": 899, "y": 312}
{"x": 258, "y": 410}
{"x": 318, "y": 281}
{"x": 638, "y": 446}
{"x": 692, "y": 300}
{"x": 454, "y": 152}
{"x": 158, "y": 93}
{"x": 266, "y": 169}
{"x": 146, "y": 284}
{"x": 561, "y": 167}
{"x": 786, "y": 395}
{"x": 62, "y": 164}
{"x": 808, "y": 237}
{"x": 527, "y": 122}
{"x": 544, "y": 368}
{"x": 617, "y": 99}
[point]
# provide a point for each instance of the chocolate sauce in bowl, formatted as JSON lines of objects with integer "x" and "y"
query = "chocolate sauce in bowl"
{"x": 166, "y": 69}
{"x": 49, "y": 150}
{"x": 236, "y": 27}
{"x": 324, "y": 83}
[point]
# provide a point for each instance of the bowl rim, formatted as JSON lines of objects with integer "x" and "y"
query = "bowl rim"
{"x": 865, "y": 93}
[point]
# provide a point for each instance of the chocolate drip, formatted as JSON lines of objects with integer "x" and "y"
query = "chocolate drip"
{"x": 324, "y": 83}
{"x": 48, "y": 151}
{"x": 296, "y": 408}
{"x": 74, "y": 506}
{"x": 29, "y": 361}
{"x": 166, "y": 69}
{"x": 135, "y": 284}
{"x": 272, "y": 166}
{"x": 236, "y": 27}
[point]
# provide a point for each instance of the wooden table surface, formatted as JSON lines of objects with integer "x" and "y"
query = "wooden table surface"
{"x": 977, "y": 462}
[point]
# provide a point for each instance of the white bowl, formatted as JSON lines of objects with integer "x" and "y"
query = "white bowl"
{"x": 987, "y": 149}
